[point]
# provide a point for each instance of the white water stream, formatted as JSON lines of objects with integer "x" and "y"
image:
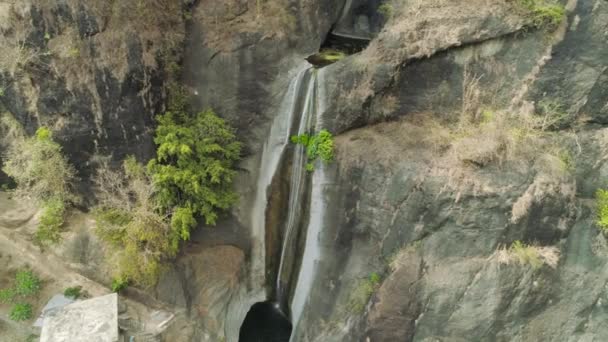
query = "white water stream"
{"x": 273, "y": 149}
{"x": 312, "y": 248}
{"x": 298, "y": 175}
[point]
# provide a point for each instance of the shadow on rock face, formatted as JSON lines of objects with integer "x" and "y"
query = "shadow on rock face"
{"x": 265, "y": 323}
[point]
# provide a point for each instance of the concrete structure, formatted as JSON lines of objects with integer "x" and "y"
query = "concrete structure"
{"x": 93, "y": 320}
{"x": 53, "y": 306}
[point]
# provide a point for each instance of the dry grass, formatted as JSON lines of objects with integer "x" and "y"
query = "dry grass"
{"x": 223, "y": 20}
{"x": 430, "y": 26}
{"x": 13, "y": 33}
{"x": 11, "y": 130}
{"x": 522, "y": 254}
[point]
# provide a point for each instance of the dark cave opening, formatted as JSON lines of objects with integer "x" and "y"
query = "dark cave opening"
{"x": 265, "y": 323}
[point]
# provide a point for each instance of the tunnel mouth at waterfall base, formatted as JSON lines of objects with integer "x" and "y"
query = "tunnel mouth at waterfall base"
{"x": 265, "y": 323}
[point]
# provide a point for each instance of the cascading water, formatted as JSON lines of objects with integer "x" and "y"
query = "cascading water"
{"x": 296, "y": 193}
{"x": 271, "y": 156}
{"x": 312, "y": 250}
{"x": 269, "y": 321}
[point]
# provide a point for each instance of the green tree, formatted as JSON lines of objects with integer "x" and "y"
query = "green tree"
{"x": 194, "y": 168}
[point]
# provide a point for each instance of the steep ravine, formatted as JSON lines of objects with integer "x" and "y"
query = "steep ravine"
{"x": 401, "y": 236}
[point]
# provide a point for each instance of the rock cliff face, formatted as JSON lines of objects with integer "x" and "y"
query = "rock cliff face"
{"x": 434, "y": 228}
{"x": 93, "y": 71}
{"x": 463, "y": 127}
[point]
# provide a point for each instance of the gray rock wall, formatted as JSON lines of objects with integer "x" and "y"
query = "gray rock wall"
{"x": 433, "y": 228}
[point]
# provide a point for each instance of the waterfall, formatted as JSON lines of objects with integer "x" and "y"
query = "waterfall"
{"x": 296, "y": 192}
{"x": 273, "y": 149}
{"x": 300, "y": 113}
{"x": 312, "y": 250}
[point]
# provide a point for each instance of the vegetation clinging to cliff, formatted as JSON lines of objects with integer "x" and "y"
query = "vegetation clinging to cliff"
{"x": 601, "y": 198}
{"x": 26, "y": 285}
{"x": 146, "y": 212}
{"x": 39, "y": 168}
{"x": 194, "y": 167}
{"x": 42, "y": 173}
{"x": 129, "y": 218}
{"x": 544, "y": 12}
{"x": 318, "y": 146}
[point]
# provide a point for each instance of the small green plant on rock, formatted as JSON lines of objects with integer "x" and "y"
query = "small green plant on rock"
{"x": 544, "y": 13}
{"x": 7, "y": 295}
{"x": 363, "y": 292}
{"x": 601, "y": 199}
{"x": 119, "y": 284}
{"x": 73, "y": 292}
{"x": 533, "y": 255}
{"x": 318, "y": 146}
{"x": 21, "y": 312}
{"x": 526, "y": 255}
{"x": 27, "y": 283}
{"x": 386, "y": 10}
{"x": 567, "y": 160}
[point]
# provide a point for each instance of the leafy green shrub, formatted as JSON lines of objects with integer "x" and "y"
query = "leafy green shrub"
{"x": 27, "y": 283}
{"x": 544, "y": 13}
{"x": 194, "y": 168}
{"x": 145, "y": 212}
{"x": 51, "y": 222}
{"x": 601, "y": 199}
{"x": 73, "y": 292}
{"x": 20, "y": 312}
{"x": 119, "y": 284}
{"x": 318, "y": 146}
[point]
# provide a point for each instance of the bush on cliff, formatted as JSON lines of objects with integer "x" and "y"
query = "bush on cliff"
{"x": 194, "y": 167}
{"x": 146, "y": 212}
{"x": 129, "y": 218}
{"x": 544, "y": 13}
{"x": 318, "y": 146}
{"x": 42, "y": 173}
{"x": 601, "y": 199}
